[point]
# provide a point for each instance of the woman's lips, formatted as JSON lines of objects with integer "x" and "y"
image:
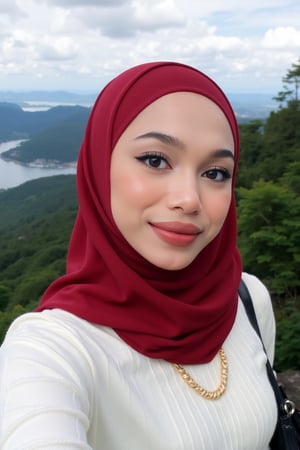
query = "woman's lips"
{"x": 176, "y": 233}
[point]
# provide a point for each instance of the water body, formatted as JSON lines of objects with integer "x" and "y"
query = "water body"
{"x": 35, "y": 106}
{"x": 13, "y": 174}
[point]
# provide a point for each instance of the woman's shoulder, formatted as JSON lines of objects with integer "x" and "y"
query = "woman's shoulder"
{"x": 50, "y": 330}
{"x": 56, "y": 331}
{"x": 264, "y": 310}
{"x": 258, "y": 291}
{"x": 50, "y": 334}
{"x": 54, "y": 325}
{"x": 55, "y": 322}
{"x": 57, "y": 343}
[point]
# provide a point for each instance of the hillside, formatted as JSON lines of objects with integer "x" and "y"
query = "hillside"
{"x": 17, "y": 124}
{"x": 34, "y": 200}
{"x": 35, "y": 227}
{"x": 58, "y": 144}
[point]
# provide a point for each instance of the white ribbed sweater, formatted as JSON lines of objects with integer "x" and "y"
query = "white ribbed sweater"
{"x": 66, "y": 384}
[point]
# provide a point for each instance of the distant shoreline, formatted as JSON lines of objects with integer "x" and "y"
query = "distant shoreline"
{"x": 42, "y": 163}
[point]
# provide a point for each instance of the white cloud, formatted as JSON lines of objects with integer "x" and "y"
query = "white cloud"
{"x": 59, "y": 48}
{"x": 86, "y": 3}
{"x": 10, "y": 8}
{"x": 129, "y": 19}
{"x": 82, "y": 43}
{"x": 282, "y": 38}
{"x": 160, "y": 13}
{"x": 14, "y": 46}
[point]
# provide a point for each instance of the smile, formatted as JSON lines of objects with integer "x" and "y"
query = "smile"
{"x": 176, "y": 233}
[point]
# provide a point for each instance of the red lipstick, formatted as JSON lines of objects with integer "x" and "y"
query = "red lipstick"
{"x": 176, "y": 233}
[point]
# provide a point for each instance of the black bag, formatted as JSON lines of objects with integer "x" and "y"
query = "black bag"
{"x": 287, "y": 431}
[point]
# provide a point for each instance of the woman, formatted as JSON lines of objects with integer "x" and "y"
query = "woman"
{"x": 149, "y": 300}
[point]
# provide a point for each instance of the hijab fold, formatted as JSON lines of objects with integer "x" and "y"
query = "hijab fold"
{"x": 181, "y": 316}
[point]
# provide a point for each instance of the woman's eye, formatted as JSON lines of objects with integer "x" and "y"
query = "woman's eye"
{"x": 217, "y": 174}
{"x": 154, "y": 161}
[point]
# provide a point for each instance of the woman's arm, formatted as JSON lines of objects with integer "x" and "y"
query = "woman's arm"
{"x": 44, "y": 399}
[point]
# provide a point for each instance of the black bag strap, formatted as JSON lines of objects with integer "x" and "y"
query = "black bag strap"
{"x": 284, "y": 436}
{"x": 247, "y": 301}
{"x": 248, "y": 304}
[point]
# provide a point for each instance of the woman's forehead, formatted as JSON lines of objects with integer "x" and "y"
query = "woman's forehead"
{"x": 181, "y": 115}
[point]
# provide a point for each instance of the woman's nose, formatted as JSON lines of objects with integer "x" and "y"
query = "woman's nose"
{"x": 184, "y": 195}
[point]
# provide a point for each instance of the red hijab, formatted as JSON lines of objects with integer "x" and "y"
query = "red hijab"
{"x": 182, "y": 316}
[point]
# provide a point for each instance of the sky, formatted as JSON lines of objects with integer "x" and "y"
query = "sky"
{"x": 79, "y": 45}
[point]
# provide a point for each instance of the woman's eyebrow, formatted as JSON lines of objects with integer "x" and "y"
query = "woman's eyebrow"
{"x": 175, "y": 142}
{"x": 162, "y": 137}
{"x": 222, "y": 153}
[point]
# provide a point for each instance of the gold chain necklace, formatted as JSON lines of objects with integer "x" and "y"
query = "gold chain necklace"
{"x": 209, "y": 395}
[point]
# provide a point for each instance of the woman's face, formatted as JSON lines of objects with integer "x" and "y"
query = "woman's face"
{"x": 171, "y": 177}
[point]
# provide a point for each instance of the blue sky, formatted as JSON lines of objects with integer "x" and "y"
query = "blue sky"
{"x": 78, "y": 45}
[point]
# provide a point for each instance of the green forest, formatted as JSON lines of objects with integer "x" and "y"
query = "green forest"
{"x": 37, "y": 219}
{"x": 53, "y": 136}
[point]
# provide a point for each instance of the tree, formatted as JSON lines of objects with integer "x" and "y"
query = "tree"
{"x": 287, "y": 355}
{"x": 251, "y": 137}
{"x": 269, "y": 236}
{"x": 268, "y": 147}
{"x": 7, "y": 317}
{"x": 291, "y": 177}
{"x": 5, "y": 294}
{"x": 281, "y": 133}
{"x": 291, "y": 85}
